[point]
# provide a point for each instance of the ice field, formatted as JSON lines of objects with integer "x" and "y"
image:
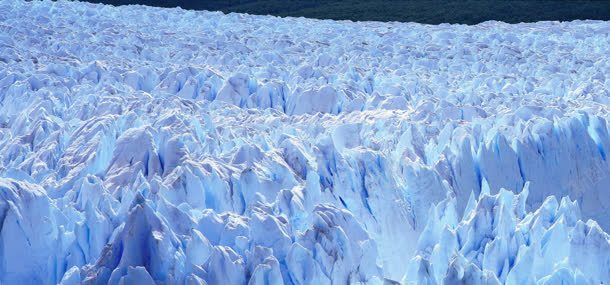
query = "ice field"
{"x": 145, "y": 145}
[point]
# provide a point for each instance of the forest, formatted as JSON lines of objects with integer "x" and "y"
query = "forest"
{"x": 421, "y": 11}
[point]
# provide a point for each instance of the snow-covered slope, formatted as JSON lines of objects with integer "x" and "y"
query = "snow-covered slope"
{"x": 143, "y": 145}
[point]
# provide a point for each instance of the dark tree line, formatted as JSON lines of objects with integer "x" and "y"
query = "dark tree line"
{"x": 422, "y": 11}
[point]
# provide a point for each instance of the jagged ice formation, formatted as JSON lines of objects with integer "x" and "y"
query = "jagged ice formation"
{"x": 147, "y": 145}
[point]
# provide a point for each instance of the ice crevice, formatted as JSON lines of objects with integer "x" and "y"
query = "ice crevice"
{"x": 204, "y": 148}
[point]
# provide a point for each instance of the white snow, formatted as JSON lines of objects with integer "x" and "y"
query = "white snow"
{"x": 147, "y": 145}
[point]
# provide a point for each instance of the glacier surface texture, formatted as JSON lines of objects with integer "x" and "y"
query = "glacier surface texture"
{"x": 145, "y": 145}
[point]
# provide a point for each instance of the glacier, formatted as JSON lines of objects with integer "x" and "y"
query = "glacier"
{"x": 144, "y": 145}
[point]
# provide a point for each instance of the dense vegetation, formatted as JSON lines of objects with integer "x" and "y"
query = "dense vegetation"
{"x": 422, "y": 11}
